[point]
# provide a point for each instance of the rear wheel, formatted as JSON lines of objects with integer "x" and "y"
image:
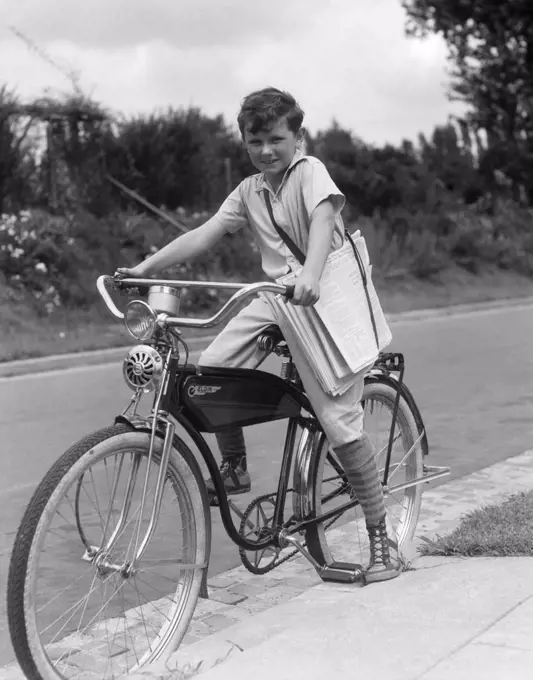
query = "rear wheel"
{"x": 335, "y": 539}
{"x": 72, "y": 615}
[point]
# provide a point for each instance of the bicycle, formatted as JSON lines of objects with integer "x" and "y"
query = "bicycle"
{"x": 97, "y": 545}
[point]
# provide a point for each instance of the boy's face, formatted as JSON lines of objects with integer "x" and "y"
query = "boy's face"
{"x": 271, "y": 150}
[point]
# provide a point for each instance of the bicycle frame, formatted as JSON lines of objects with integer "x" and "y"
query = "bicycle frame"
{"x": 174, "y": 403}
{"x": 282, "y": 529}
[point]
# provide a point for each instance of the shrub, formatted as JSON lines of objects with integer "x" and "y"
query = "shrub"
{"x": 57, "y": 259}
{"x": 504, "y": 239}
{"x": 37, "y": 254}
{"x": 400, "y": 244}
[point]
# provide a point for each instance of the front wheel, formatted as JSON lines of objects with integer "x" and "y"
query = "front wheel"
{"x": 345, "y": 537}
{"x": 73, "y": 616}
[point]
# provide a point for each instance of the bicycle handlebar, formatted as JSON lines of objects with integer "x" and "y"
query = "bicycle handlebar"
{"x": 243, "y": 291}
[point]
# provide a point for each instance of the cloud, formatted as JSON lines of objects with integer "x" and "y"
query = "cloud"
{"x": 361, "y": 70}
{"x": 341, "y": 58}
{"x": 181, "y": 23}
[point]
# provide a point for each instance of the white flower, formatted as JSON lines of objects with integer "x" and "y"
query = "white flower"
{"x": 17, "y": 252}
{"x": 41, "y": 267}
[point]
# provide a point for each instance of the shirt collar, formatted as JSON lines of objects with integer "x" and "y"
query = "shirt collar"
{"x": 261, "y": 179}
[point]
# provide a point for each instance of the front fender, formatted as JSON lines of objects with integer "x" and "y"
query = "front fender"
{"x": 144, "y": 425}
{"x": 136, "y": 423}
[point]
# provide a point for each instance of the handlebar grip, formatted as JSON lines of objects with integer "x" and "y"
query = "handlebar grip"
{"x": 289, "y": 291}
{"x": 101, "y": 285}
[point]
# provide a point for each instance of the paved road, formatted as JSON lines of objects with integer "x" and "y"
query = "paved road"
{"x": 471, "y": 374}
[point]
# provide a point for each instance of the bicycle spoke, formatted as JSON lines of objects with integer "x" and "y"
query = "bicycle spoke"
{"x": 327, "y": 540}
{"x": 83, "y": 588}
{"x": 96, "y": 506}
{"x": 167, "y": 597}
{"x": 143, "y": 621}
{"x": 61, "y": 592}
{"x": 73, "y": 608}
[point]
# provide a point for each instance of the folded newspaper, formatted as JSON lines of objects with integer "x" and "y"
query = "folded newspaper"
{"x": 336, "y": 335}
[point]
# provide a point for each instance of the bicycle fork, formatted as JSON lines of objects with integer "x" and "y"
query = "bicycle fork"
{"x": 99, "y": 556}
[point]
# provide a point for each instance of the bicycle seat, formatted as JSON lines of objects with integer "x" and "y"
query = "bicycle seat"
{"x": 270, "y": 338}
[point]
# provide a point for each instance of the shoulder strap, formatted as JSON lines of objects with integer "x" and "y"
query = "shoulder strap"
{"x": 365, "y": 285}
{"x": 301, "y": 258}
{"x": 287, "y": 240}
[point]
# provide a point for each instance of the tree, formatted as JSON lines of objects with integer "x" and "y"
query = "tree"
{"x": 491, "y": 49}
{"x": 176, "y": 158}
{"x": 452, "y": 162}
{"x": 377, "y": 179}
{"x": 16, "y": 163}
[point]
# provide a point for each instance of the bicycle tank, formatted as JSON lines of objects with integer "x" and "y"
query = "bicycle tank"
{"x": 213, "y": 399}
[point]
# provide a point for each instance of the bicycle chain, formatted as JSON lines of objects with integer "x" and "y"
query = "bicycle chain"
{"x": 242, "y": 552}
{"x": 275, "y": 563}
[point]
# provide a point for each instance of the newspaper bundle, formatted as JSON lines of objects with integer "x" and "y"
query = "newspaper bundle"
{"x": 336, "y": 335}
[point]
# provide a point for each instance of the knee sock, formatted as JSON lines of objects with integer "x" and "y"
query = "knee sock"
{"x": 361, "y": 468}
{"x": 231, "y": 444}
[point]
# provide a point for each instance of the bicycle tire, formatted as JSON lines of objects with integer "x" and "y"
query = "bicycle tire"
{"x": 183, "y": 473}
{"x": 331, "y": 540}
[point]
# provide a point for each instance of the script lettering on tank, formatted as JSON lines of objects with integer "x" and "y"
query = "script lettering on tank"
{"x": 201, "y": 390}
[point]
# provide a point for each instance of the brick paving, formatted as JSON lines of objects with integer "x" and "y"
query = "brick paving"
{"x": 237, "y": 595}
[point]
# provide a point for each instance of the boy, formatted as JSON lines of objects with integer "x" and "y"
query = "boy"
{"x": 307, "y": 205}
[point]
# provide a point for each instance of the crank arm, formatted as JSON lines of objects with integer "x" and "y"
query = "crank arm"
{"x": 338, "y": 572}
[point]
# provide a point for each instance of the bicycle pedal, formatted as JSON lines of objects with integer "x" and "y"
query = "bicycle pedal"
{"x": 343, "y": 572}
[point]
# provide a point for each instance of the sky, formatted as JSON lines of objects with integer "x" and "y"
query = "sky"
{"x": 347, "y": 60}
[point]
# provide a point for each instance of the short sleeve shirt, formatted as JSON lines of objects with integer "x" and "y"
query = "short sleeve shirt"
{"x": 305, "y": 184}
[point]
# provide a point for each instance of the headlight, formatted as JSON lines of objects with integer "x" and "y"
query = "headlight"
{"x": 140, "y": 320}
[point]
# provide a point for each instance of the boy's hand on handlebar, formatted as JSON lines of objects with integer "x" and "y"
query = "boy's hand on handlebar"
{"x": 137, "y": 272}
{"x": 306, "y": 290}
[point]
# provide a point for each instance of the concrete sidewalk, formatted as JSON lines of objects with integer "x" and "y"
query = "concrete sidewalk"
{"x": 448, "y": 618}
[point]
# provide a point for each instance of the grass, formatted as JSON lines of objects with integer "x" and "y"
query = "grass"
{"x": 23, "y": 334}
{"x": 500, "y": 530}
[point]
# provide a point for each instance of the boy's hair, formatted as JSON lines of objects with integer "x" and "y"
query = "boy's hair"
{"x": 263, "y": 107}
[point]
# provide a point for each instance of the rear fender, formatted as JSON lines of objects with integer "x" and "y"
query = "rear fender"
{"x": 393, "y": 382}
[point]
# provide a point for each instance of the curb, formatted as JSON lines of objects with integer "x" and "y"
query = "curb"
{"x": 100, "y": 357}
{"x": 61, "y": 362}
{"x": 458, "y": 310}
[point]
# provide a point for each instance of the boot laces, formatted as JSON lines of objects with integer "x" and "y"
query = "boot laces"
{"x": 379, "y": 544}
